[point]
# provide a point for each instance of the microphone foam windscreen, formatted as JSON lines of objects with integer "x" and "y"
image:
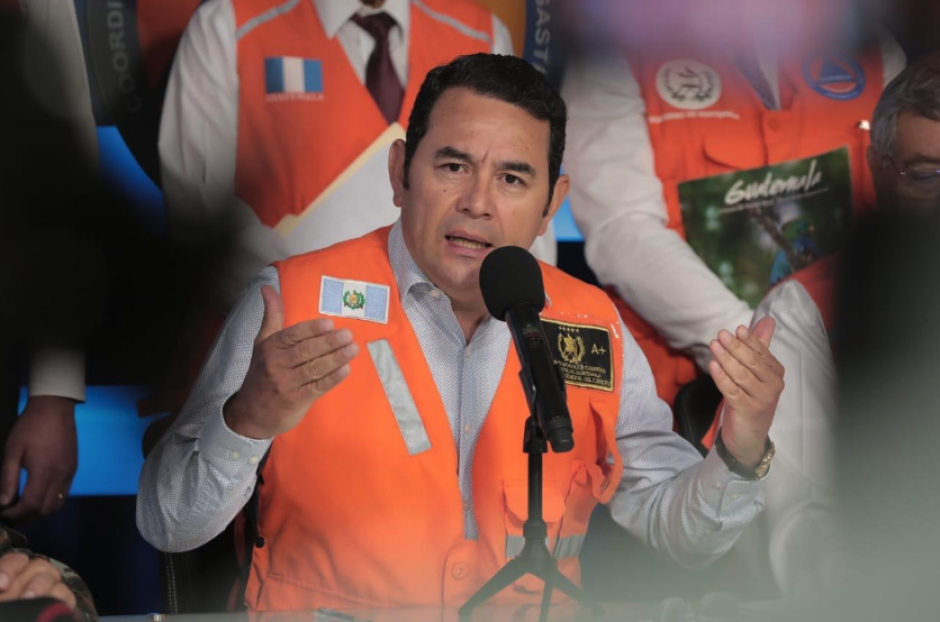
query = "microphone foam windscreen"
{"x": 511, "y": 276}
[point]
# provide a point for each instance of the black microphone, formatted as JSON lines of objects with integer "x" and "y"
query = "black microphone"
{"x": 511, "y": 283}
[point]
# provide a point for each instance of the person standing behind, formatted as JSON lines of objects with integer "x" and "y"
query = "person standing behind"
{"x": 49, "y": 152}
{"x": 787, "y": 543}
{"x": 278, "y": 115}
{"x": 646, "y": 126}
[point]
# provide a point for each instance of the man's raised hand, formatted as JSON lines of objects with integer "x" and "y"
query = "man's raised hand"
{"x": 290, "y": 368}
{"x": 751, "y": 380}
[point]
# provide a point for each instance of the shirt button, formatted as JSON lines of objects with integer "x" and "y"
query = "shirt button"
{"x": 467, "y": 428}
{"x": 467, "y": 506}
{"x": 235, "y": 455}
{"x": 466, "y": 353}
{"x": 459, "y": 571}
{"x": 254, "y": 460}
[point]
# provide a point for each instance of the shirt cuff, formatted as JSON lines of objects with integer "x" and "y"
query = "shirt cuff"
{"x": 57, "y": 371}
{"x": 227, "y": 451}
{"x": 734, "y": 498}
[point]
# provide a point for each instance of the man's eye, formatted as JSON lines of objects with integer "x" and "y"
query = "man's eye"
{"x": 453, "y": 167}
{"x": 513, "y": 180}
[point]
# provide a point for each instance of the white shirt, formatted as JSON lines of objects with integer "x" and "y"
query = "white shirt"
{"x": 617, "y": 201}
{"x": 791, "y": 542}
{"x": 201, "y": 473}
{"x": 60, "y": 370}
{"x": 199, "y": 140}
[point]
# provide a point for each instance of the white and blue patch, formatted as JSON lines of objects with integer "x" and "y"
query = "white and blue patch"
{"x": 836, "y": 76}
{"x": 292, "y": 77}
{"x": 335, "y": 294}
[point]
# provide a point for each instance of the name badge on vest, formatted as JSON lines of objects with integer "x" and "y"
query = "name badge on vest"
{"x": 583, "y": 353}
{"x": 354, "y": 299}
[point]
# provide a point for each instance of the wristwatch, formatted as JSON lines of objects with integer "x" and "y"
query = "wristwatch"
{"x": 737, "y": 468}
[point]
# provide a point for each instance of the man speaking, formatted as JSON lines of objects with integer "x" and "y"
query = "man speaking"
{"x": 388, "y": 403}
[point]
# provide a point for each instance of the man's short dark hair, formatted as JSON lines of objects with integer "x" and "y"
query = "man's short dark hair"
{"x": 506, "y": 78}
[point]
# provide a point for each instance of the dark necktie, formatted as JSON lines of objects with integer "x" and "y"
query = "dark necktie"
{"x": 381, "y": 79}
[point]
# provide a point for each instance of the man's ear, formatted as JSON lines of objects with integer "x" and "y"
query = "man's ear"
{"x": 396, "y": 171}
{"x": 562, "y": 186}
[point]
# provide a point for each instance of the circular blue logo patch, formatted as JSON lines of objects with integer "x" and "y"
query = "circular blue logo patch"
{"x": 834, "y": 76}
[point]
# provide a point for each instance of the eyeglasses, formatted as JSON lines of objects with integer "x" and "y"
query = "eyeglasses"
{"x": 919, "y": 179}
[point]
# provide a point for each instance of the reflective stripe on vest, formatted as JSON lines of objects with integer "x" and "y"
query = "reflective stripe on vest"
{"x": 399, "y": 397}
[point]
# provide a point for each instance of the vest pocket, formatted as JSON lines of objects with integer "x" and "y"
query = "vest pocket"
{"x": 399, "y": 397}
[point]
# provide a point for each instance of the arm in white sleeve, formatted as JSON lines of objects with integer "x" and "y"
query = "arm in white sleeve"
{"x": 57, "y": 371}
{"x": 617, "y": 201}
{"x": 198, "y": 145}
{"x": 795, "y": 531}
{"x": 803, "y": 425}
{"x": 690, "y": 509}
{"x": 201, "y": 474}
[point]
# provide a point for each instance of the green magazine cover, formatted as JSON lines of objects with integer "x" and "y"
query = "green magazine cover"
{"x": 754, "y": 228}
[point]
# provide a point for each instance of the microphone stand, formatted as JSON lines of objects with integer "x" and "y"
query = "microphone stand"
{"x": 535, "y": 558}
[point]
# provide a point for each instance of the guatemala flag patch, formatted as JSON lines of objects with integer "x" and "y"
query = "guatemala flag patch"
{"x": 293, "y": 78}
{"x": 354, "y": 299}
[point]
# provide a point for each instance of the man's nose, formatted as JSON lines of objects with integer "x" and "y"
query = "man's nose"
{"x": 476, "y": 201}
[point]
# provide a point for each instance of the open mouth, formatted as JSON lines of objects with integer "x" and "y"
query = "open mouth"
{"x": 456, "y": 240}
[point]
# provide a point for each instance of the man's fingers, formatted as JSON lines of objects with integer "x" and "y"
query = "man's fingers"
{"x": 10, "y": 472}
{"x": 298, "y": 333}
{"x": 30, "y": 505}
{"x": 728, "y": 387}
{"x": 322, "y": 385}
{"x": 736, "y": 371}
{"x": 52, "y": 502}
{"x": 317, "y": 347}
{"x": 309, "y": 340}
{"x": 764, "y": 330}
{"x": 325, "y": 365}
{"x": 41, "y": 583}
{"x": 753, "y": 341}
{"x": 750, "y": 353}
{"x": 273, "y": 319}
{"x": 11, "y": 565}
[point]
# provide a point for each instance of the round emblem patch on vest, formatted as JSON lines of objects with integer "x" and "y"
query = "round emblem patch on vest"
{"x": 835, "y": 76}
{"x": 688, "y": 84}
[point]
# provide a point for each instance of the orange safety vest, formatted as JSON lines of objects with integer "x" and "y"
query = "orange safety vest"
{"x": 820, "y": 280}
{"x": 735, "y": 132}
{"x": 292, "y": 145}
{"x": 349, "y": 517}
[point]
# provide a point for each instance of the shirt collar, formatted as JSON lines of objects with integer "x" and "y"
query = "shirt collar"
{"x": 334, "y": 13}
{"x": 407, "y": 273}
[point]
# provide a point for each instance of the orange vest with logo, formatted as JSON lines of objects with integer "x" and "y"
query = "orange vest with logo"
{"x": 735, "y": 132}
{"x": 820, "y": 281}
{"x": 350, "y": 516}
{"x": 292, "y": 145}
